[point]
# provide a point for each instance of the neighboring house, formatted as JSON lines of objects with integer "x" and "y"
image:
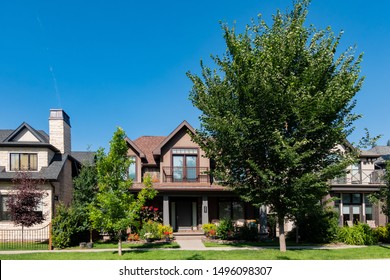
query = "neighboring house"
{"x": 187, "y": 195}
{"x": 353, "y": 190}
{"x": 45, "y": 156}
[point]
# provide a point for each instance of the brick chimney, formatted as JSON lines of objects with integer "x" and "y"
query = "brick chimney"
{"x": 59, "y": 130}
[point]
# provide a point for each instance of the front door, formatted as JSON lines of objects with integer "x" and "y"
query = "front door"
{"x": 184, "y": 213}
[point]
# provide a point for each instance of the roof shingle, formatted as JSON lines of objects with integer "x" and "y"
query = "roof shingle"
{"x": 147, "y": 144}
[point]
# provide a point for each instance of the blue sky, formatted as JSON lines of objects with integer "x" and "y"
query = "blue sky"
{"x": 123, "y": 63}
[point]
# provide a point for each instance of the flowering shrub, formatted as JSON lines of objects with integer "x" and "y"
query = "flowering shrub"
{"x": 209, "y": 227}
{"x": 150, "y": 213}
{"x": 165, "y": 231}
{"x": 212, "y": 232}
{"x": 150, "y": 230}
{"x": 133, "y": 237}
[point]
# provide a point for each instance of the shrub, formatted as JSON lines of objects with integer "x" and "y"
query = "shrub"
{"x": 208, "y": 227}
{"x": 360, "y": 234}
{"x": 150, "y": 229}
{"x": 382, "y": 233}
{"x": 318, "y": 226}
{"x": 248, "y": 232}
{"x": 63, "y": 227}
{"x": 165, "y": 231}
{"x": 225, "y": 229}
{"x": 150, "y": 213}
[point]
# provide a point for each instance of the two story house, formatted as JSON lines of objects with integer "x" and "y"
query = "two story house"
{"x": 44, "y": 156}
{"x": 187, "y": 194}
{"x": 353, "y": 190}
{"x": 190, "y": 197}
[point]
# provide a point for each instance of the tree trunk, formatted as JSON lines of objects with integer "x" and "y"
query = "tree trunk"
{"x": 90, "y": 235}
{"x": 282, "y": 237}
{"x": 297, "y": 233}
{"x": 120, "y": 243}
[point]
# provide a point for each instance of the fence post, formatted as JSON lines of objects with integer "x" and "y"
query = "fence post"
{"x": 50, "y": 237}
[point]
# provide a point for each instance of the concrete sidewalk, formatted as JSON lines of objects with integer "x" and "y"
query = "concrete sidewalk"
{"x": 191, "y": 243}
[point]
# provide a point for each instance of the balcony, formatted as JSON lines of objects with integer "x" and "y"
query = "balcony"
{"x": 186, "y": 175}
{"x": 360, "y": 177}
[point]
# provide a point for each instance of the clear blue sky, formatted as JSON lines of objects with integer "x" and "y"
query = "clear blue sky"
{"x": 115, "y": 63}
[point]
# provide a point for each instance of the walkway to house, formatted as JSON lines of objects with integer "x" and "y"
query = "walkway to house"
{"x": 188, "y": 241}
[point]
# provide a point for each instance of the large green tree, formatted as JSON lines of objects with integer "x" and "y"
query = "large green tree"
{"x": 274, "y": 109}
{"x": 115, "y": 208}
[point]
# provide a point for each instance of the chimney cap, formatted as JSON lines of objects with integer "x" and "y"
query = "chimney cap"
{"x": 59, "y": 114}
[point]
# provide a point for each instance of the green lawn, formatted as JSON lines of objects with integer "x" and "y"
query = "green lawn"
{"x": 125, "y": 245}
{"x": 256, "y": 244}
{"x": 371, "y": 252}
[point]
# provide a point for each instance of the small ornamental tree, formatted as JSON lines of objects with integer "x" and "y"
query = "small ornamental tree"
{"x": 115, "y": 208}
{"x": 25, "y": 199}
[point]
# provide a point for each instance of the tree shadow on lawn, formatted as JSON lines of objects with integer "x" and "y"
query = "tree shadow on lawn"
{"x": 195, "y": 257}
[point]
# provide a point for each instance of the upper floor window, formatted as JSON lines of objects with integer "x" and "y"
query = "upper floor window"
{"x": 185, "y": 163}
{"x": 132, "y": 168}
{"x": 23, "y": 161}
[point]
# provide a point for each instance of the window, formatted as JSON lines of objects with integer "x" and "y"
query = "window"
{"x": 4, "y": 215}
{"x": 132, "y": 168}
{"x": 184, "y": 162}
{"x": 229, "y": 209}
{"x": 368, "y": 209}
{"x": 352, "y": 207}
{"x": 23, "y": 161}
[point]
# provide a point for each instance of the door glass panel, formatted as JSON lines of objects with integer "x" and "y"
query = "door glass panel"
{"x": 191, "y": 168}
{"x": 178, "y": 168}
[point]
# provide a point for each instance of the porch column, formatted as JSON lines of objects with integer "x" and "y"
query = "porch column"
{"x": 263, "y": 220}
{"x": 205, "y": 210}
{"x": 166, "y": 210}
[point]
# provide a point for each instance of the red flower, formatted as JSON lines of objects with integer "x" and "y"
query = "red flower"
{"x": 155, "y": 209}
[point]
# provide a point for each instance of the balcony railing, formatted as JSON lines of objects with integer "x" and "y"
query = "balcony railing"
{"x": 186, "y": 174}
{"x": 356, "y": 177}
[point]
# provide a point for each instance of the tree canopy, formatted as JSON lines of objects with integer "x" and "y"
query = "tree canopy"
{"x": 274, "y": 109}
{"x": 115, "y": 207}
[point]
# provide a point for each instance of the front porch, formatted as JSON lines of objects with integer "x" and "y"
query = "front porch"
{"x": 187, "y": 212}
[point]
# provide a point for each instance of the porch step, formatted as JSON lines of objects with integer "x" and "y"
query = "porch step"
{"x": 189, "y": 233}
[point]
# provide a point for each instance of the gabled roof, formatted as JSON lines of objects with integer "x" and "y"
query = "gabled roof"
{"x": 38, "y": 135}
{"x": 135, "y": 147}
{"x": 184, "y": 124}
{"x": 147, "y": 144}
{"x": 8, "y": 137}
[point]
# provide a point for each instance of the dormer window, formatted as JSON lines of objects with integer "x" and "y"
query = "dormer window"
{"x": 23, "y": 161}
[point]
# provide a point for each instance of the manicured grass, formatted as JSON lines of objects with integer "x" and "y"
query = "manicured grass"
{"x": 125, "y": 245}
{"x": 270, "y": 243}
{"x": 371, "y": 252}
